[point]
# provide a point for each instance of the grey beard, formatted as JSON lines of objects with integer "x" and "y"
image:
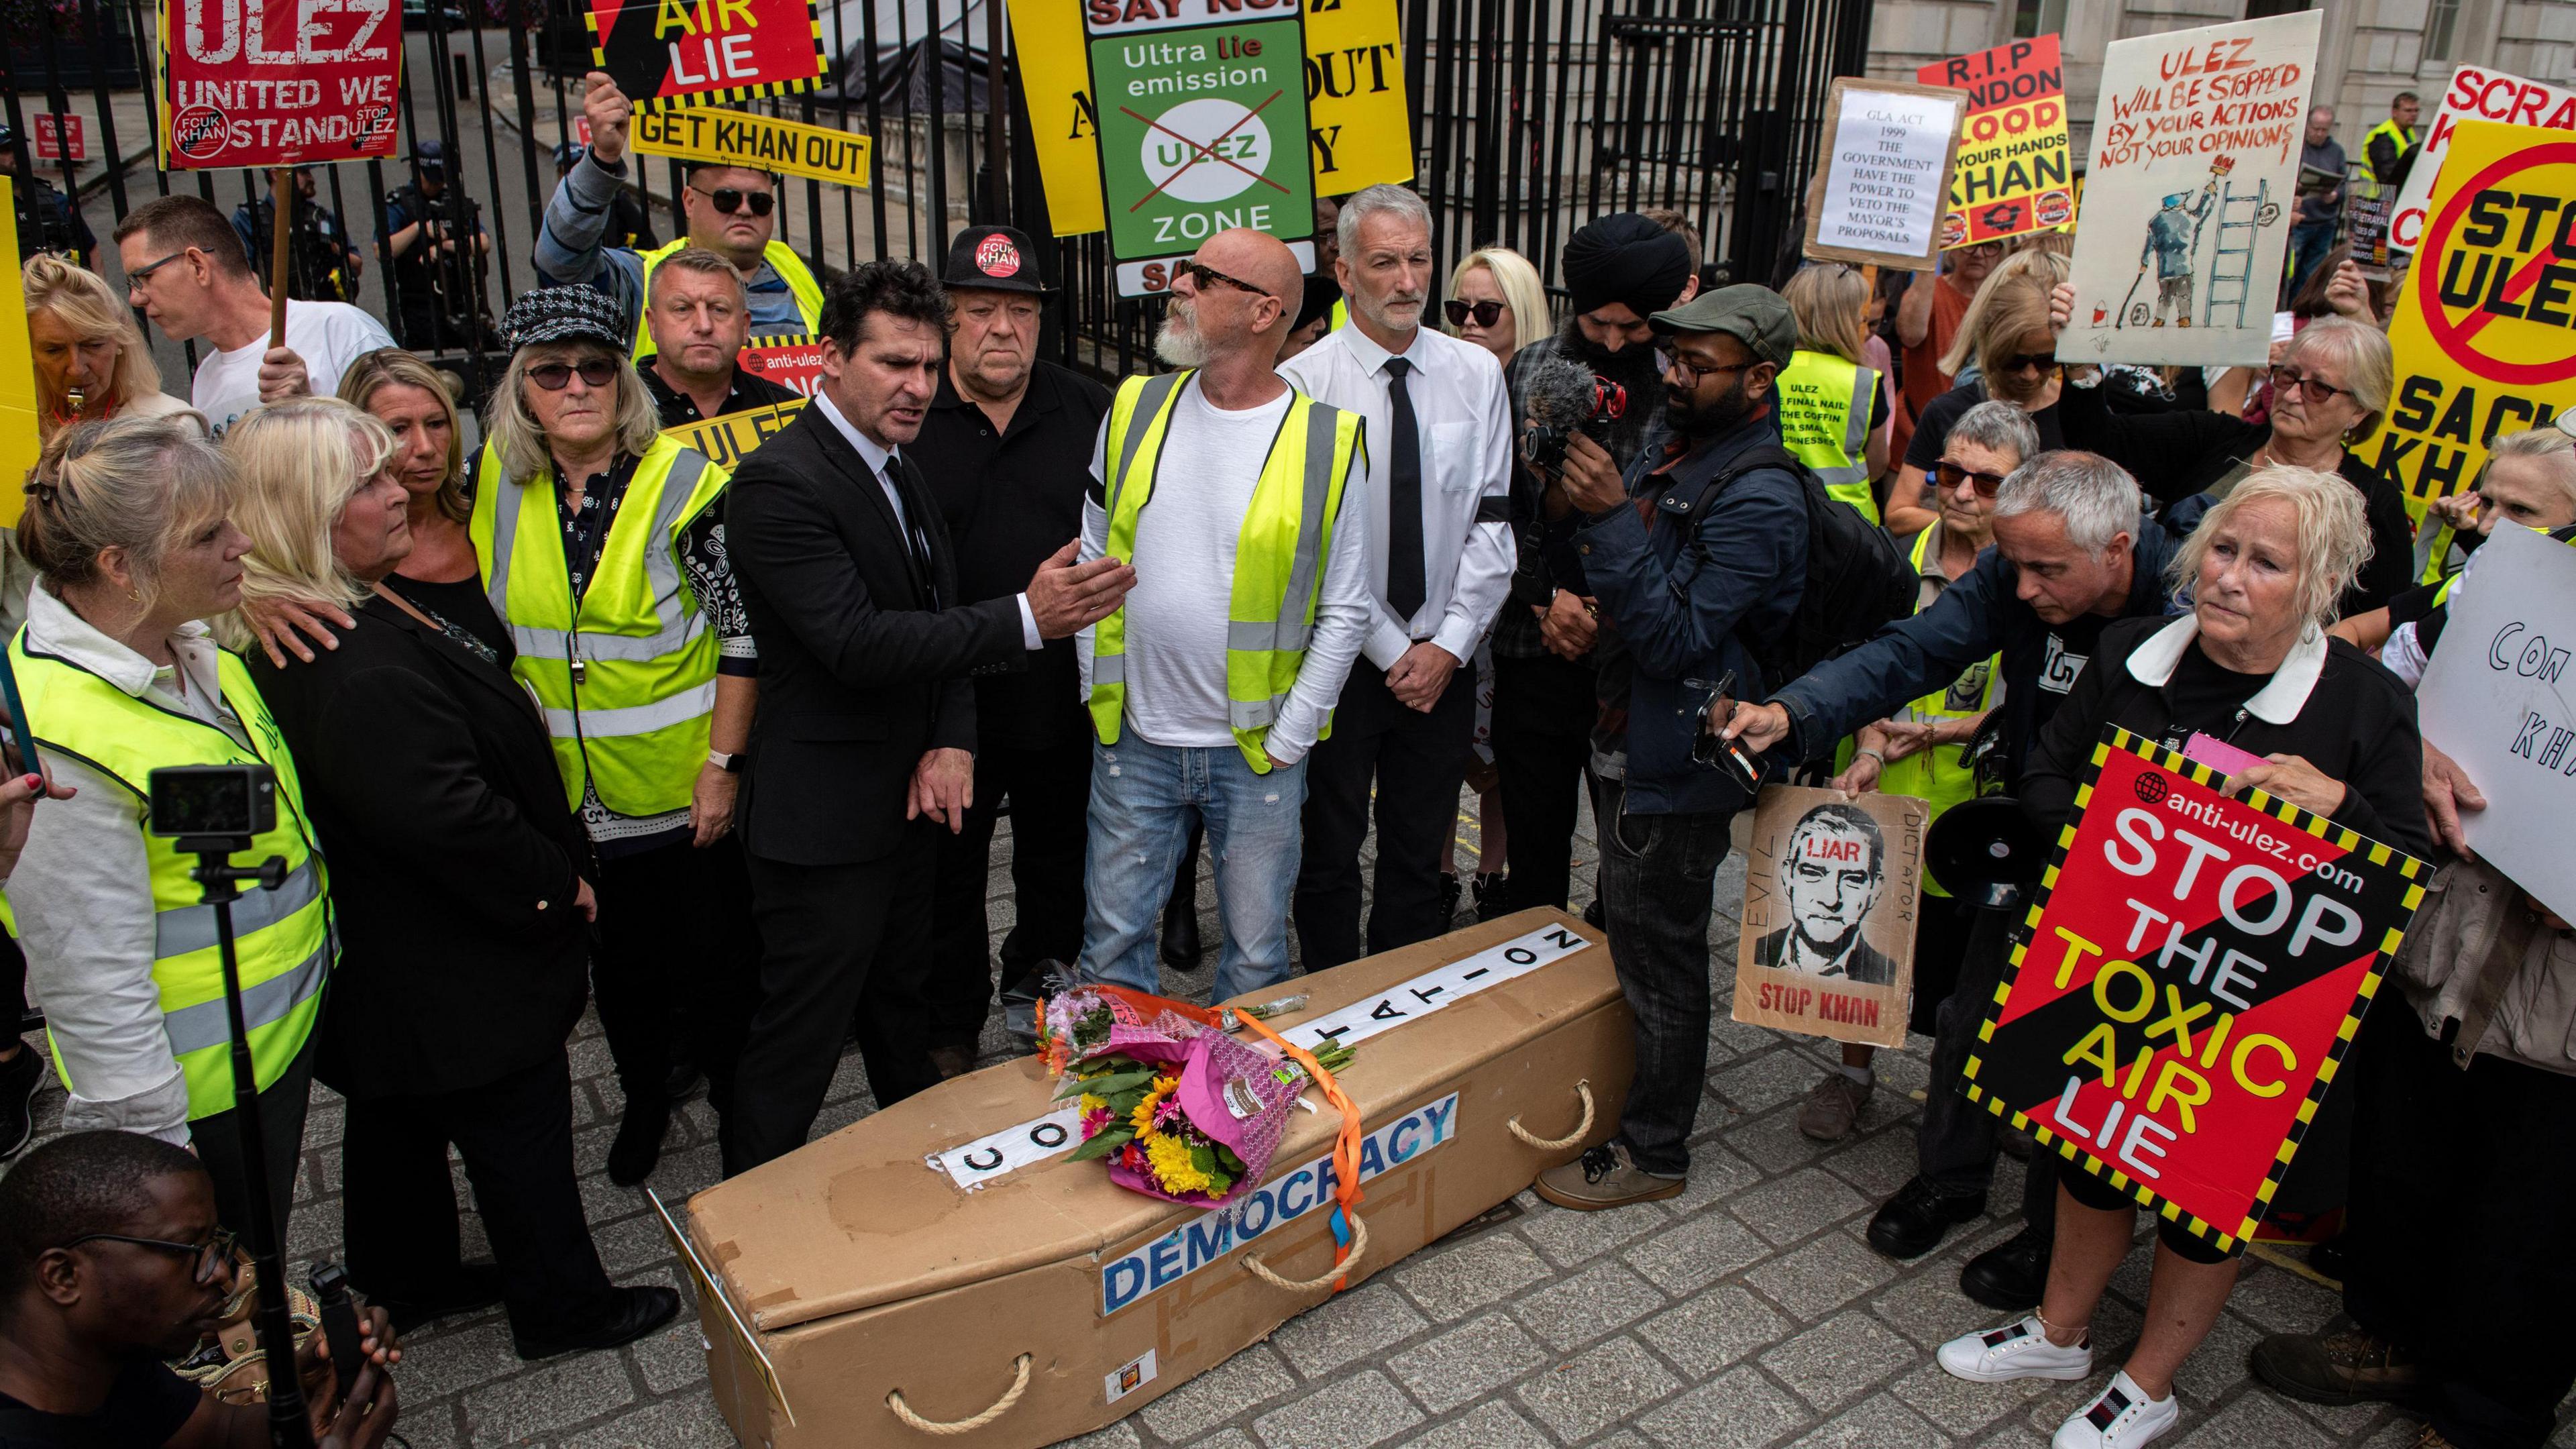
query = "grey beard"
{"x": 1178, "y": 345}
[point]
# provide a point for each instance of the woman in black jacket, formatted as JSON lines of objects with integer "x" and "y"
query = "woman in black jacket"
{"x": 2251, "y": 667}
{"x": 2330, "y": 387}
{"x": 458, "y": 876}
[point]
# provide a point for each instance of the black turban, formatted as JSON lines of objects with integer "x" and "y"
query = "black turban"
{"x": 1626, "y": 258}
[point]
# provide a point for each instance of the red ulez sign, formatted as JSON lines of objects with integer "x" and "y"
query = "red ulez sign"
{"x": 2194, "y": 971}
{"x": 791, "y": 362}
{"x": 280, "y": 83}
{"x": 706, "y": 52}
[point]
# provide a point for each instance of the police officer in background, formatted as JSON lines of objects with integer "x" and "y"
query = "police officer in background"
{"x": 1006, "y": 447}
{"x": 433, "y": 269}
{"x": 322, "y": 266}
{"x": 630, "y": 221}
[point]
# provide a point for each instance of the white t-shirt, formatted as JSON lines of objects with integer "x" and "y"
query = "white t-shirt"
{"x": 327, "y": 335}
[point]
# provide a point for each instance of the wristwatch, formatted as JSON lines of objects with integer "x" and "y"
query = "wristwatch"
{"x": 730, "y": 764}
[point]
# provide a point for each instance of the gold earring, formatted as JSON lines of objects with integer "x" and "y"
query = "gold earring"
{"x": 135, "y": 595}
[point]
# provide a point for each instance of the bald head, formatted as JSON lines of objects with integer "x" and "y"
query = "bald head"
{"x": 1259, "y": 258}
{"x": 1210, "y": 321}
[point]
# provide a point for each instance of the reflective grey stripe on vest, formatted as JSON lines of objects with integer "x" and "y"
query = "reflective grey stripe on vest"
{"x": 1855, "y": 430}
{"x": 1291, "y": 629}
{"x": 661, "y": 570}
{"x": 1253, "y": 714}
{"x": 1149, "y": 402}
{"x": 639, "y": 719}
{"x": 194, "y": 1028}
{"x": 1108, "y": 669}
{"x": 182, "y": 929}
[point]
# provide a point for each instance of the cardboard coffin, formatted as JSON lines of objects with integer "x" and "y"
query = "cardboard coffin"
{"x": 854, "y": 1270}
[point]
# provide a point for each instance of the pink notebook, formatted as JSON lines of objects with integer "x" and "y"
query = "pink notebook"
{"x": 2218, "y": 754}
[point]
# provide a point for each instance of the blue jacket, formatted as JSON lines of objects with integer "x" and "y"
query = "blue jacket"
{"x": 1680, "y": 593}
{"x": 1979, "y": 615}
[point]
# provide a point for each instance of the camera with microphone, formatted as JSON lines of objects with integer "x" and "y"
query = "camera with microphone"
{"x": 1563, "y": 398}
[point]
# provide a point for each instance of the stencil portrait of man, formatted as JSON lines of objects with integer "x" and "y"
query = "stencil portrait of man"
{"x": 1831, "y": 876}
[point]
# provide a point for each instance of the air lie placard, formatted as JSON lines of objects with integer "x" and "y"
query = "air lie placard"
{"x": 2194, "y": 970}
{"x": 2011, "y": 173}
{"x": 728, "y": 439}
{"x": 756, "y": 143}
{"x": 2485, "y": 328}
{"x": 666, "y": 53}
{"x": 1831, "y": 888}
{"x": 283, "y": 84}
{"x": 2476, "y": 93}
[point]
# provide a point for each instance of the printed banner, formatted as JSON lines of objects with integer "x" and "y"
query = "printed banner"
{"x": 2010, "y": 175}
{"x": 789, "y": 361}
{"x": 1831, "y": 887}
{"x": 666, "y": 53}
{"x": 2476, "y": 93}
{"x": 62, "y": 136}
{"x": 727, "y": 440}
{"x": 2191, "y": 193}
{"x": 298, "y": 83}
{"x": 2495, "y": 699}
{"x": 2482, "y": 328}
{"x": 2193, "y": 972}
{"x": 759, "y": 143}
{"x": 2364, "y": 226}
{"x": 1359, "y": 126}
{"x": 1882, "y": 181}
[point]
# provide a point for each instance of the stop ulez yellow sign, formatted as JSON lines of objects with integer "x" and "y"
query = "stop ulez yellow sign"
{"x": 2485, "y": 328}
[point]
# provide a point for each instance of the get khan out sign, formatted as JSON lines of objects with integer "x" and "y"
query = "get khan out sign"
{"x": 2010, "y": 175}
{"x": 2194, "y": 971}
{"x": 665, "y": 53}
{"x": 277, "y": 82}
{"x": 2485, "y": 330}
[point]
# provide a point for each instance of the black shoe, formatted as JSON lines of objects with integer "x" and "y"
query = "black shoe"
{"x": 683, "y": 1080}
{"x": 1597, "y": 915}
{"x": 952, "y": 1061}
{"x": 2011, "y": 1277}
{"x": 1451, "y": 889}
{"x": 1493, "y": 894}
{"x": 477, "y": 1286}
{"x": 19, "y": 1078}
{"x": 2328, "y": 1258}
{"x": 1915, "y": 1221}
{"x": 639, "y": 1311}
{"x": 639, "y": 1142}
{"x": 1181, "y": 950}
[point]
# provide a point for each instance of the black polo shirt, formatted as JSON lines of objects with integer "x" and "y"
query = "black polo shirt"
{"x": 750, "y": 391}
{"x": 1011, "y": 498}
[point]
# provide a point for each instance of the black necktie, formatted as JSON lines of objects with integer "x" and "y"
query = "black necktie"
{"x": 1405, "y": 589}
{"x": 914, "y": 542}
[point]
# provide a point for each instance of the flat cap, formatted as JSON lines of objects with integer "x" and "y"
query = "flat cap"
{"x": 565, "y": 314}
{"x": 1755, "y": 316}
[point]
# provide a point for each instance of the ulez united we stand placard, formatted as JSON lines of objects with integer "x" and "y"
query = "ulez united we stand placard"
{"x": 277, "y": 82}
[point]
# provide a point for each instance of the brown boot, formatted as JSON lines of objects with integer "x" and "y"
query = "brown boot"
{"x": 2350, "y": 1367}
{"x": 2432, "y": 1438}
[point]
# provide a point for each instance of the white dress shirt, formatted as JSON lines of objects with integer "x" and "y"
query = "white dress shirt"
{"x": 880, "y": 463}
{"x": 1463, "y": 417}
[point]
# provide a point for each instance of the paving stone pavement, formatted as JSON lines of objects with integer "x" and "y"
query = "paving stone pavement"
{"x": 1747, "y": 1312}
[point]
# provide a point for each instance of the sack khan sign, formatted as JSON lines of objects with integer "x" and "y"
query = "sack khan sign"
{"x": 277, "y": 82}
{"x": 2192, "y": 976}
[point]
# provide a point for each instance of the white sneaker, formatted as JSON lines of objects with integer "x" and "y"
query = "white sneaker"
{"x": 2122, "y": 1418}
{"x": 2015, "y": 1351}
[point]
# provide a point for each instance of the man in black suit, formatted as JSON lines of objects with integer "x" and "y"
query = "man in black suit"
{"x": 864, "y": 745}
{"x": 1831, "y": 876}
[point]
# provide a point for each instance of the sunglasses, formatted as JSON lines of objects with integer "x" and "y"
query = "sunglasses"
{"x": 2042, "y": 363}
{"x": 556, "y": 376}
{"x": 728, "y": 200}
{"x": 1485, "y": 313}
{"x": 211, "y": 1255}
{"x": 1952, "y": 475}
{"x": 1201, "y": 275}
{"x": 2285, "y": 381}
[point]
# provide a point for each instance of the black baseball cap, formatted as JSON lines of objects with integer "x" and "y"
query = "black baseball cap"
{"x": 995, "y": 258}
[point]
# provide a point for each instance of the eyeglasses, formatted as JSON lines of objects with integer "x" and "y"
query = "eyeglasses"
{"x": 729, "y": 200}
{"x": 556, "y": 376}
{"x": 1485, "y": 313}
{"x": 1201, "y": 274}
{"x": 2042, "y": 363}
{"x": 1952, "y": 475}
{"x": 1675, "y": 362}
{"x": 147, "y": 269}
{"x": 2285, "y": 381}
{"x": 211, "y": 1255}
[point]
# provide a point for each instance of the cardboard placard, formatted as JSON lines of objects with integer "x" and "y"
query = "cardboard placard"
{"x": 2011, "y": 172}
{"x": 757, "y": 143}
{"x": 2364, "y": 226}
{"x": 1882, "y": 181}
{"x": 790, "y": 361}
{"x": 2191, "y": 193}
{"x": 297, "y": 83}
{"x": 1831, "y": 887}
{"x": 2496, "y": 700}
{"x": 18, "y": 422}
{"x": 2475, "y": 93}
{"x": 2193, "y": 971}
{"x": 728, "y": 439}
{"x": 62, "y": 136}
{"x": 666, "y": 53}
{"x": 1359, "y": 126}
{"x": 2481, "y": 330}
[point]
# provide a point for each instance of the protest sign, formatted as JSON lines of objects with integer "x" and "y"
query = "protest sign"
{"x": 1199, "y": 130}
{"x": 727, "y": 439}
{"x": 2010, "y": 175}
{"x": 1831, "y": 887}
{"x": 18, "y": 422}
{"x": 2482, "y": 328}
{"x": 1359, "y": 126}
{"x": 2191, "y": 193}
{"x": 759, "y": 143}
{"x": 62, "y": 136}
{"x": 2495, "y": 699}
{"x": 2363, "y": 227}
{"x": 1882, "y": 177}
{"x": 667, "y": 53}
{"x": 279, "y": 85}
{"x": 790, "y": 361}
{"x": 2192, "y": 974}
{"x": 2476, "y": 93}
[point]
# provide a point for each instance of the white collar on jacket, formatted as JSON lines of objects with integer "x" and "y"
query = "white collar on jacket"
{"x": 869, "y": 453}
{"x": 2278, "y": 702}
{"x": 52, "y": 628}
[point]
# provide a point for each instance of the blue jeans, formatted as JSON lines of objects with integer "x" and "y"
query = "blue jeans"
{"x": 1144, "y": 798}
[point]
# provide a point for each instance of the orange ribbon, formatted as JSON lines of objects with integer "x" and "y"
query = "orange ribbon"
{"x": 1346, "y": 1146}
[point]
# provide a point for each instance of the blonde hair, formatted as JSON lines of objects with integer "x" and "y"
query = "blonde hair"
{"x": 2553, "y": 449}
{"x": 132, "y": 484}
{"x": 1831, "y": 303}
{"x": 1518, "y": 281}
{"x": 2333, "y": 539}
{"x": 296, "y": 465}
{"x": 511, "y": 431}
{"x": 2046, "y": 268}
{"x": 87, "y": 305}
{"x": 2369, "y": 369}
{"x": 2010, "y": 316}
{"x": 392, "y": 367}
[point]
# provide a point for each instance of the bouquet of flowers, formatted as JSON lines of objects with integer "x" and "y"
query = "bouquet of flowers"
{"x": 1177, "y": 1108}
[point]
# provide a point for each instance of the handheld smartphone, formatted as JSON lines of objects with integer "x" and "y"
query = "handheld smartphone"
{"x": 22, "y": 735}
{"x": 339, "y": 1321}
{"x": 1718, "y": 753}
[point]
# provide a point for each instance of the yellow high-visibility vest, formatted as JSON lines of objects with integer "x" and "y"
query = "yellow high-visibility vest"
{"x": 1936, "y": 776}
{"x": 790, "y": 268}
{"x": 2370, "y": 183}
{"x": 1824, "y": 420}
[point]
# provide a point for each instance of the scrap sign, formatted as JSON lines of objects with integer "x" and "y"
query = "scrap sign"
{"x": 2474, "y": 94}
{"x": 665, "y": 53}
{"x": 2011, "y": 173}
{"x": 2194, "y": 971}
{"x": 278, "y": 84}
{"x": 2485, "y": 330}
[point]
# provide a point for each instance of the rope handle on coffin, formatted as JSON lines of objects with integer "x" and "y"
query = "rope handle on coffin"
{"x": 1559, "y": 1144}
{"x": 1001, "y": 1406}
{"x": 1350, "y": 1235}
